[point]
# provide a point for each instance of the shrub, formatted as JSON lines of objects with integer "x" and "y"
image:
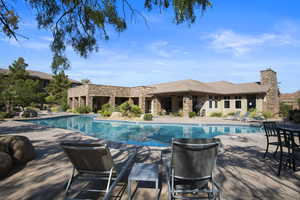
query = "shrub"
{"x": 176, "y": 114}
{"x": 69, "y": 110}
{"x": 267, "y": 114}
{"x": 32, "y": 108}
{"x": 106, "y": 113}
{"x": 4, "y": 115}
{"x": 83, "y": 109}
{"x": 129, "y": 109}
{"x": 253, "y": 113}
{"x": 192, "y": 114}
{"x": 284, "y": 109}
{"x": 216, "y": 114}
{"x": 297, "y": 117}
{"x": 148, "y": 117}
{"x": 294, "y": 115}
{"x": 136, "y": 110}
{"x": 106, "y": 110}
{"x": 231, "y": 113}
{"x": 55, "y": 109}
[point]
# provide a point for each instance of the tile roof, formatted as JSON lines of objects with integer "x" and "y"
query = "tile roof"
{"x": 220, "y": 87}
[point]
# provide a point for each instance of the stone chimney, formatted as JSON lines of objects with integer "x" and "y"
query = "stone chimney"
{"x": 271, "y": 100}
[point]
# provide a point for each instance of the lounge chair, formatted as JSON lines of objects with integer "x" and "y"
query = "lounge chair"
{"x": 94, "y": 162}
{"x": 190, "y": 167}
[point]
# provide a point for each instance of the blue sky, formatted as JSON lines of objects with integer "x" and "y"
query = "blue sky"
{"x": 232, "y": 41}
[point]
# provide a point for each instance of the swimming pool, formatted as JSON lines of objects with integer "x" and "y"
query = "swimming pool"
{"x": 145, "y": 134}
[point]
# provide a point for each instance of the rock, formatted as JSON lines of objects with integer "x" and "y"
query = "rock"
{"x": 5, "y": 164}
{"x": 20, "y": 148}
{"x": 116, "y": 115}
{"x": 28, "y": 113}
{"x": 4, "y": 148}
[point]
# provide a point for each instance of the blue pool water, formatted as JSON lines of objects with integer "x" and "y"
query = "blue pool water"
{"x": 145, "y": 134}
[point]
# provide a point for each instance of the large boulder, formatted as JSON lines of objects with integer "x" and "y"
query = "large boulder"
{"x": 20, "y": 148}
{"x": 116, "y": 115}
{"x": 5, "y": 164}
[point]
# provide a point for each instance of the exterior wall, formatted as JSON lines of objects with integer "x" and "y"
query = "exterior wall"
{"x": 271, "y": 100}
{"x": 187, "y": 105}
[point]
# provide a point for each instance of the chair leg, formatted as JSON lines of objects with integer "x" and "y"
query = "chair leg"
{"x": 275, "y": 153}
{"x": 69, "y": 182}
{"x": 280, "y": 162}
{"x": 266, "y": 150}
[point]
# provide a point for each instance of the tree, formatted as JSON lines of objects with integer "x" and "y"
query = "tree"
{"x": 17, "y": 88}
{"x": 81, "y": 23}
{"x": 58, "y": 90}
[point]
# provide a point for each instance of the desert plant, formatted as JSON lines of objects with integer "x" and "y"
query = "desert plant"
{"x": 136, "y": 110}
{"x": 106, "y": 113}
{"x": 83, "y": 109}
{"x": 130, "y": 110}
{"x": 231, "y": 113}
{"x": 267, "y": 114}
{"x": 253, "y": 113}
{"x": 148, "y": 117}
{"x": 192, "y": 114}
{"x": 55, "y": 109}
{"x": 284, "y": 109}
{"x": 216, "y": 114}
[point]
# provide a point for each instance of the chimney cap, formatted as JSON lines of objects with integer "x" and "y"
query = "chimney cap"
{"x": 268, "y": 69}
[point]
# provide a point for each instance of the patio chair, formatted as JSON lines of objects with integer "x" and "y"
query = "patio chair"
{"x": 271, "y": 135}
{"x": 189, "y": 170}
{"x": 94, "y": 162}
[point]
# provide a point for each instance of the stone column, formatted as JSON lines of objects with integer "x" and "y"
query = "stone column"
{"x": 130, "y": 100}
{"x": 89, "y": 102}
{"x": 79, "y": 101}
{"x": 187, "y": 106}
{"x": 244, "y": 104}
{"x": 156, "y": 106}
{"x": 142, "y": 103}
{"x": 112, "y": 101}
{"x": 174, "y": 104}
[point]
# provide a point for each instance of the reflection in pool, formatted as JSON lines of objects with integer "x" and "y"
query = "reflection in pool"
{"x": 145, "y": 134}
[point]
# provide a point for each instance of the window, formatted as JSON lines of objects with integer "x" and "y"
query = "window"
{"x": 216, "y": 104}
{"x": 227, "y": 102}
{"x": 210, "y": 103}
{"x": 238, "y": 102}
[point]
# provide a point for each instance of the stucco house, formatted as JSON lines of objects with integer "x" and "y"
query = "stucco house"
{"x": 185, "y": 96}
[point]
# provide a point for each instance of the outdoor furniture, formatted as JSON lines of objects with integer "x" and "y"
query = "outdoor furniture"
{"x": 291, "y": 144}
{"x": 143, "y": 172}
{"x": 236, "y": 116}
{"x": 190, "y": 168}
{"x": 245, "y": 117}
{"x": 271, "y": 135}
{"x": 94, "y": 162}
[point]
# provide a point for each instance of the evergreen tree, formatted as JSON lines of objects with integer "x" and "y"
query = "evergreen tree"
{"x": 17, "y": 88}
{"x": 58, "y": 90}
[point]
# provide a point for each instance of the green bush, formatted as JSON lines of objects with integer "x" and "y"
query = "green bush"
{"x": 192, "y": 114}
{"x": 284, "y": 109}
{"x": 6, "y": 115}
{"x": 106, "y": 113}
{"x": 136, "y": 110}
{"x": 130, "y": 110}
{"x": 297, "y": 117}
{"x": 148, "y": 117}
{"x": 216, "y": 114}
{"x": 253, "y": 113}
{"x": 294, "y": 115}
{"x": 267, "y": 114}
{"x": 55, "y": 109}
{"x": 106, "y": 110}
{"x": 32, "y": 108}
{"x": 176, "y": 114}
{"x": 83, "y": 109}
{"x": 231, "y": 114}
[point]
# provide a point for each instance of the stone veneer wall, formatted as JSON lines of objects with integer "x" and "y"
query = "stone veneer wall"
{"x": 271, "y": 100}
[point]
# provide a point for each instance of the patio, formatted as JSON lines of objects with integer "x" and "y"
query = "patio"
{"x": 241, "y": 170}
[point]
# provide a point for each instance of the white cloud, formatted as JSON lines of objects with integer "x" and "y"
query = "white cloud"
{"x": 28, "y": 44}
{"x": 239, "y": 44}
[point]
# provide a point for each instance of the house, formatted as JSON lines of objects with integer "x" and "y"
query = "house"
{"x": 185, "y": 96}
{"x": 44, "y": 78}
{"x": 291, "y": 99}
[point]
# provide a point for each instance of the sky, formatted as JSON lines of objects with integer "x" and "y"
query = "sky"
{"x": 232, "y": 41}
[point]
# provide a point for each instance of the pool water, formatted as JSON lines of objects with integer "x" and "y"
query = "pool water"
{"x": 145, "y": 134}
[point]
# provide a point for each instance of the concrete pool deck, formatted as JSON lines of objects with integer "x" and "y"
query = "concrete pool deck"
{"x": 241, "y": 170}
